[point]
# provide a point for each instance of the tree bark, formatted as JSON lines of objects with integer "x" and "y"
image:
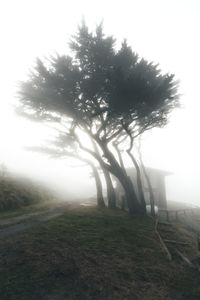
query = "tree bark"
{"x": 120, "y": 157}
{"x": 114, "y": 168}
{"x": 110, "y": 189}
{"x": 99, "y": 189}
{"x": 139, "y": 181}
{"x": 131, "y": 197}
{"x": 109, "y": 186}
{"x": 100, "y": 200}
{"x": 151, "y": 195}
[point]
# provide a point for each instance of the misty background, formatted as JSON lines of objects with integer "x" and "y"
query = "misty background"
{"x": 165, "y": 32}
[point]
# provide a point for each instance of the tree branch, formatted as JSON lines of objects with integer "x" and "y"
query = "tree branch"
{"x": 94, "y": 154}
{"x": 114, "y": 135}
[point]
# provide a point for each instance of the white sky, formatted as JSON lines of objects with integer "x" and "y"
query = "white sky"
{"x": 164, "y": 31}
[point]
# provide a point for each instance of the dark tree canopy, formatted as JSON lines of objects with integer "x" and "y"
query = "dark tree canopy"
{"x": 100, "y": 90}
{"x": 100, "y": 81}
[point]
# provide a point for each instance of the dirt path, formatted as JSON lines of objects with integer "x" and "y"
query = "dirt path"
{"x": 20, "y": 227}
{"x": 49, "y": 214}
{"x": 13, "y": 220}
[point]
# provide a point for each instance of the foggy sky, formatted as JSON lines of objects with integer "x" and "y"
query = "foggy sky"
{"x": 162, "y": 31}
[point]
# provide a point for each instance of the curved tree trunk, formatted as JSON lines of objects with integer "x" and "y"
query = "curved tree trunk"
{"x": 139, "y": 181}
{"x": 120, "y": 157}
{"x": 113, "y": 167}
{"x": 131, "y": 197}
{"x": 110, "y": 189}
{"x": 152, "y": 201}
{"x": 99, "y": 189}
{"x": 151, "y": 195}
{"x": 100, "y": 200}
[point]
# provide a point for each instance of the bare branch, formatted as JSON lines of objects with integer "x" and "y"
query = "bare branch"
{"x": 119, "y": 156}
{"x": 94, "y": 154}
{"x": 114, "y": 135}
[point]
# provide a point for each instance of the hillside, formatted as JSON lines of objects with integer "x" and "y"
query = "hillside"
{"x": 99, "y": 254}
{"x": 15, "y": 193}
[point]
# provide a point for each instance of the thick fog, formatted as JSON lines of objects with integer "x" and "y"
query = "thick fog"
{"x": 156, "y": 30}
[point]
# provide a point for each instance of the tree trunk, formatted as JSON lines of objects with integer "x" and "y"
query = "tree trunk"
{"x": 110, "y": 190}
{"x": 151, "y": 195}
{"x": 139, "y": 181}
{"x": 120, "y": 158}
{"x": 131, "y": 197}
{"x": 100, "y": 200}
{"x": 114, "y": 168}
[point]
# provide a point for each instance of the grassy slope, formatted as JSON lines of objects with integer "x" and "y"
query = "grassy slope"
{"x": 91, "y": 254}
{"x": 15, "y": 193}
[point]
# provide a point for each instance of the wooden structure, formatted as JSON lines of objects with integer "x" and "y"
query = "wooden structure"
{"x": 157, "y": 179}
{"x": 176, "y": 215}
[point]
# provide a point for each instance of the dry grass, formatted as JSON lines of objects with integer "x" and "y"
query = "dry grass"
{"x": 95, "y": 254}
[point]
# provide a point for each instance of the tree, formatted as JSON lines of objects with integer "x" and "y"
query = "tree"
{"x": 64, "y": 146}
{"x": 150, "y": 188}
{"x": 101, "y": 92}
{"x": 121, "y": 139}
{"x": 111, "y": 197}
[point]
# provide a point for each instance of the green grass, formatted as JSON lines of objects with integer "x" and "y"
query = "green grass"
{"x": 94, "y": 254}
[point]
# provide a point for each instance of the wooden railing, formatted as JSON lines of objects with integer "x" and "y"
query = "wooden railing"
{"x": 176, "y": 214}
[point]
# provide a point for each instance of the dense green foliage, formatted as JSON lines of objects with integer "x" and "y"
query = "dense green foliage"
{"x": 100, "y": 82}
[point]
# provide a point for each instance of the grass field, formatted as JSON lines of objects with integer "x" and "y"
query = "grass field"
{"x": 97, "y": 254}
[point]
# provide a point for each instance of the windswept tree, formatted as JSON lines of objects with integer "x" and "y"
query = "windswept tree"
{"x": 102, "y": 92}
{"x": 64, "y": 146}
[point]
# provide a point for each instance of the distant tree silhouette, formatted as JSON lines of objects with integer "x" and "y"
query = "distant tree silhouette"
{"x": 102, "y": 92}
